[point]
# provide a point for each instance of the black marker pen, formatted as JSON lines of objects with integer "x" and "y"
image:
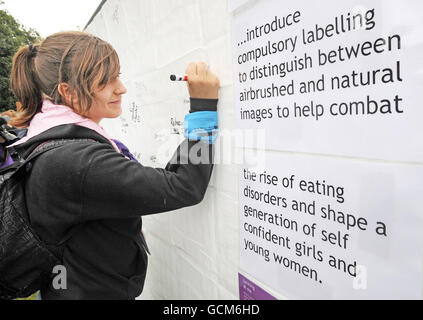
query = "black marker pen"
{"x": 178, "y": 78}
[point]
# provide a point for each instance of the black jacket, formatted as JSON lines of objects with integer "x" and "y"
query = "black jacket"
{"x": 88, "y": 199}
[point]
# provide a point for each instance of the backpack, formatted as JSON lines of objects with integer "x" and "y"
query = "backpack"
{"x": 26, "y": 263}
{"x": 8, "y": 136}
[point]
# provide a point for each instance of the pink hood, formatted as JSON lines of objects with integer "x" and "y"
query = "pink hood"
{"x": 53, "y": 115}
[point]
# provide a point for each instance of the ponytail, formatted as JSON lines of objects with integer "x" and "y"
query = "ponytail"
{"x": 25, "y": 85}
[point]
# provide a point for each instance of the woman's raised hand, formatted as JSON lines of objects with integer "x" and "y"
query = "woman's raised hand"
{"x": 202, "y": 83}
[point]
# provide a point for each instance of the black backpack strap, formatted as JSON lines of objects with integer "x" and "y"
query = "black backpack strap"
{"x": 53, "y": 144}
{"x": 19, "y": 161}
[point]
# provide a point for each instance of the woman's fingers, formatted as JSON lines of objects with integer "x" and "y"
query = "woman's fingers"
{"x": 202, "y": 69}
{"x": 202, "y": 83}
{"x": 191, "y": 69}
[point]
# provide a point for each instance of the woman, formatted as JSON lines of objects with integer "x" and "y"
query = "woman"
{"x": 86, "y": 199}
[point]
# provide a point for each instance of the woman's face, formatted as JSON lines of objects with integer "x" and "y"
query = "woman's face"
{"x": 107, "y": 102}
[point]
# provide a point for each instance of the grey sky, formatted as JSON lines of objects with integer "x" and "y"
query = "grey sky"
{"x": 50, "y": 16}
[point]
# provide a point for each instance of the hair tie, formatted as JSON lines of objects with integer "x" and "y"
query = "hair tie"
{"x": 32, "y": 51}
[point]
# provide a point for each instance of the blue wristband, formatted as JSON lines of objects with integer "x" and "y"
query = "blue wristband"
{"x": 201, "y": 125}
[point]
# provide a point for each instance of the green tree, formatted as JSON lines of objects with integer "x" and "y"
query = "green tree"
{"x": 13, "y": 35}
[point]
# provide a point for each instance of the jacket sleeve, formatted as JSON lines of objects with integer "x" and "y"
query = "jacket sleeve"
{"x": 114, "y": 187}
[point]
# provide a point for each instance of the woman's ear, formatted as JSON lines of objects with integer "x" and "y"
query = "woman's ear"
{"x": 66, "y": 92}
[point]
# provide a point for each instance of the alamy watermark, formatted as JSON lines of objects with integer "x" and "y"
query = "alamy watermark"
{"x": 232, "y": 146}
{"x": 60, "y": 280}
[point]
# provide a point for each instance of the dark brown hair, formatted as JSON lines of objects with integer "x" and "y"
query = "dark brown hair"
{"x": 83, "y": 61}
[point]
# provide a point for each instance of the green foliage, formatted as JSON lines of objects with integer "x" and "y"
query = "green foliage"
{"x": 12, "y": 36}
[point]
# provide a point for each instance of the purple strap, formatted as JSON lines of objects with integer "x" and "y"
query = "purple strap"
{"x": 8, "y": 161}
{"x": 124, "y": 150}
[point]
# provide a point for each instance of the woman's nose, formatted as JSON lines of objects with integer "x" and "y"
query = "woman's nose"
{"x": 120, "y": 89}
